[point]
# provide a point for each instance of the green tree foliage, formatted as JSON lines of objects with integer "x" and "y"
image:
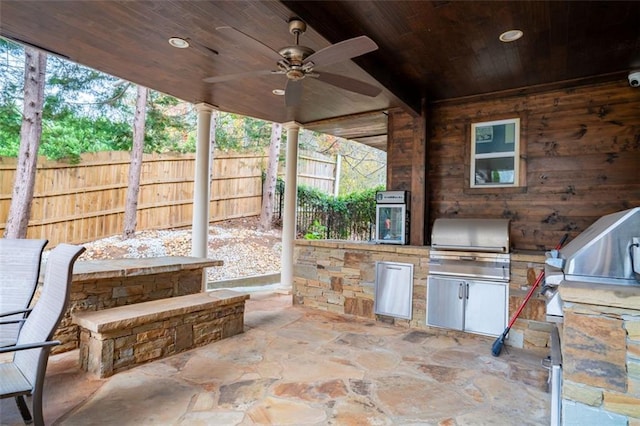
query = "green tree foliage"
{"x": 170, "y": 124}
{"x": 10, "y": 119}
{"x": 87, "y": 111}
{"x": 238, "y": 133}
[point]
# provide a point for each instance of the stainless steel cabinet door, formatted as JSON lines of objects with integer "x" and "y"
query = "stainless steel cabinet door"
{"x": 394, "y": 289}
{"x": 445, "y": 302}
{"x": 486, "y": 307}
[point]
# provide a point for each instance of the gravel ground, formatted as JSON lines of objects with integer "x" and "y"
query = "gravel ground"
{"x": 244, "y": 250}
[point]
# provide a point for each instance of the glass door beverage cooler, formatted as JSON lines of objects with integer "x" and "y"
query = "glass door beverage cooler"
{"x": 392, "y": 217}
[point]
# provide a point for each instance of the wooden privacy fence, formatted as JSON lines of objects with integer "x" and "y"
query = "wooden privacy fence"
{"x": 317, "y": 171}
{"x": 82, "y": 202}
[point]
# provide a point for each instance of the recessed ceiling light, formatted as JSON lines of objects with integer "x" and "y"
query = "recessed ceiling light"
{"x": 511, "y": 35}
{"x": 278, "y": 92}
{"x": 178, "y": 42}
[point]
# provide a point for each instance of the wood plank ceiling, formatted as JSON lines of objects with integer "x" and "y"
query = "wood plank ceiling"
{"x": 431, "y": 50}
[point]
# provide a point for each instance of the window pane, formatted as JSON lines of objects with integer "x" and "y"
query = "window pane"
{"x": 495, "y": 170}
{"x": 496, "y": 138}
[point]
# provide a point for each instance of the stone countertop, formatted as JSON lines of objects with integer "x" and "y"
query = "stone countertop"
{"x": 113, "y": 268}
{"x": 365, "y": 246}
{"x": 518, "y": 255}
{"x": 618, "y": 296}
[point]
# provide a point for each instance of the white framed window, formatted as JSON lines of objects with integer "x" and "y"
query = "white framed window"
{"x": 495, "y": 153}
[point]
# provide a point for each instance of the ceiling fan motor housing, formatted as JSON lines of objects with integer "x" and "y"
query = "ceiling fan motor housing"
{"x": 297, "y": 26}
{"x": 296, "y": 54}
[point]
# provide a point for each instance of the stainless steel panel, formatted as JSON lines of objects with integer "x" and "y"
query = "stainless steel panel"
{"x": 602, "y": 252}
{"x": 394, "y": 289}
{"x": 486, "y": 235}
{"x": 556, "y": 395}
{"x": 494, "y": 266}
{"x": 486, "y": 307}
{"x": 555, "y": 378}
{"x": 445, "y": 302}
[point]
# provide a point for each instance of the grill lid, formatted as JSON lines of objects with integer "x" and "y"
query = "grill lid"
{"x": 603, "y": 252}
{"x": 486, "y": 235}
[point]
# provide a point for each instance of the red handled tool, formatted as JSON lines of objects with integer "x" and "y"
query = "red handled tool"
{"x": 496, "y": 348}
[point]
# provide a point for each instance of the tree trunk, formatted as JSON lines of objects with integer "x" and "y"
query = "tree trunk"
{"x": 271, "y": 179}
{"x": 135, "y": 168}
{"x": 35, "y": 64}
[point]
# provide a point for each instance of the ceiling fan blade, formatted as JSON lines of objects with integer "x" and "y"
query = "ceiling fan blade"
{"x": 293, "y": 93}
{"x": 246, "y": 40}
{"x": 342, "y": 51}
{"x": 349, "y": 84}
{"x": 227, "y": 77}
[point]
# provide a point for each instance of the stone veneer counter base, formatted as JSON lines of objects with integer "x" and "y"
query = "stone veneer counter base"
{"x": 339, "y": 276}
{"x": 600, "y": 354}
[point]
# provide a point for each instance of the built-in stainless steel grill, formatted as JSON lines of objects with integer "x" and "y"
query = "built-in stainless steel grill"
{"x": 607, "y": 252}
{"x": 469, "y": 270}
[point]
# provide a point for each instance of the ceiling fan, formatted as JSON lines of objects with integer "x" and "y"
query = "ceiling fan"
{"x": 298, "y": 62}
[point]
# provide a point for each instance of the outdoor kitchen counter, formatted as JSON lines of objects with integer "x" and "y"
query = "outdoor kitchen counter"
{"x": 618, "y": 296}
{"x": 366, "y": 246}
{"x": 339, "y": 276}
{"x": 518, "y": 255}
{"x": 600, "y": 341}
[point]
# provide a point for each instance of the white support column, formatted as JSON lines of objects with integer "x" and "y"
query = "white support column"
{"x": 336, "y": 180}
{"x": 201, "y": 183}
{"x": 290, "y": 201}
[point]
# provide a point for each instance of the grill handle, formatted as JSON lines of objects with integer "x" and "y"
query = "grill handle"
{"x": 485, "y": 249}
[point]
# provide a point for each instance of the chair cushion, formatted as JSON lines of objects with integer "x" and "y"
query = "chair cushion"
{"x": 12, "y": 381}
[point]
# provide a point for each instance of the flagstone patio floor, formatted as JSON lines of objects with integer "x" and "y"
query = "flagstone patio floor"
{"x": 299, "y": 366}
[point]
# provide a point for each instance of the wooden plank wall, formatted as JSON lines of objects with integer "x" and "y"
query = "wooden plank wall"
{"x": 406, "y": 160}
{"x": 581, "y": 153}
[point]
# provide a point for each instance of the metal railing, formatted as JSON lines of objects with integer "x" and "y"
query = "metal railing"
{"x": 322, "y": 222}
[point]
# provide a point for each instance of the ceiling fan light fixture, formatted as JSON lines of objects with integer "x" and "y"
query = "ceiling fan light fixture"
{"x": 511, "y": 35}
{"x": 278, "y": 92}
{"x": 178, "y": 42}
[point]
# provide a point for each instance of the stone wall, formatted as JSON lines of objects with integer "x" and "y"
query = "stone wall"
{"x": 601, "y": 354}
{"x": 339, "y": 276}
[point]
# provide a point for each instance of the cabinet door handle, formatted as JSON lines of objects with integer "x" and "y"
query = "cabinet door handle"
{"x": 467, "y": 291}
{"x": 460, "y": 291}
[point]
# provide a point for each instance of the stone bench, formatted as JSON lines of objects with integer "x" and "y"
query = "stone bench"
{"x": 105, "y": 284}
{"x": 120, "y": 338}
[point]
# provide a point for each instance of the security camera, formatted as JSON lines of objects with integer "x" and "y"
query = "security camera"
{"x": 634, "y": 79}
